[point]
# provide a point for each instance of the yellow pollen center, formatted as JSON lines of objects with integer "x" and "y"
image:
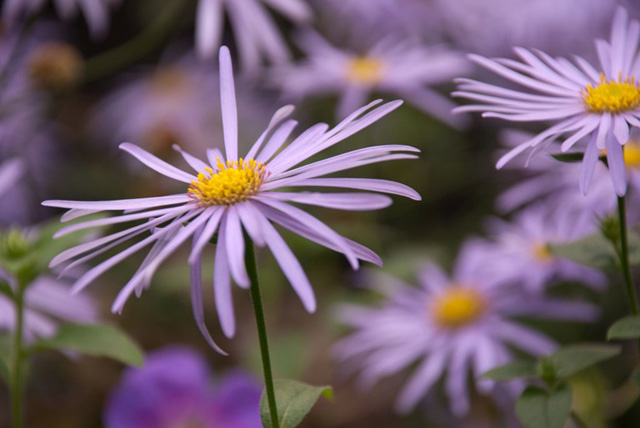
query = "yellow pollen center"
{"x": 457, "y": 307}
{"x": 541, "y": 253}
{"x": 232, "y": 182}
{"x": 611, "y": 96}
{"x": 365, "y": 70}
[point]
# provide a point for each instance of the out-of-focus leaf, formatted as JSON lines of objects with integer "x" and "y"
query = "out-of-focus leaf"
{"x": 625, "y": 328}
{"x": 538, "y": 408}
{"x": 515, "y": 370}
{"x": 95, "y": 339}
{"x": 597, "y": 251}
{"x": 568, "y": 157}
{"x": 288, "y": 353}
{"x": 571, "y": 359}
{"x": 294, "y": 400}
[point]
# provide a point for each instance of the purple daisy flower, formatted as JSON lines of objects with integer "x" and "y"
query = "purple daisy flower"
{"x": 402, "y": 68}
{"x": 256, "y": 34}
{"x": 96, "y": 12}
{"x": 455, "y": 325}
{"x": 593, "y": 106}
{"x": 47, "y": 302}
{"x": 173, "y": 389}
{"x": 229, "y": 193}
{"x": 522, "y": 255}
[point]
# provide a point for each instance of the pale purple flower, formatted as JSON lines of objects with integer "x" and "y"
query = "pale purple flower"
{"x": 172, "y": 103}
{"x": 406, "y": 69}
{"x": 594, "y": 107}
{"x": 492, "y": 27}
{"x": 174, "y": 389}
{"x": 96, "y": 12}
{"x": 256, "y": 34}
{"x": 523, "y": 257}
{"x": 47, "y": 303}
{"x": 455, "y": 328}
{"x": 228, "y": 193}
{"x": 10, "y": 172}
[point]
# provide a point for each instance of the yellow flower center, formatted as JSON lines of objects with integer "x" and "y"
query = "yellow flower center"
{"x": 365, "y": 70}
{"x": 457, "y": 307}
{"x": 541, "y": 253}
{"x": 611, "y": 96}
{"x": 232, "y": 182}
{"x": 170, "y": 82}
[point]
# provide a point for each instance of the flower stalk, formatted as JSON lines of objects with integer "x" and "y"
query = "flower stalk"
{"x": 18, "y": 360}
{"x": 623, "y": 254}
{"x": 256, "y": 298}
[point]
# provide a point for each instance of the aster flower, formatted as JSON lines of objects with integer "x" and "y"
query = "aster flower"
{"x": 256, "y": 34}
{"x": 229, "y": 193}
{"x": 168, "y": 104}
{"x": 404, "y": 69}
{"x": 492, "y": 27}
{"x": 173, "y": 389}
{"x": 457, "y": 325}
{"x": 593, "y": 107}
{"x": 47, "y": 303}
{"x": 96, "y": 12}
{"x": 10, "y": 172}
{"x": 523, "y": 257}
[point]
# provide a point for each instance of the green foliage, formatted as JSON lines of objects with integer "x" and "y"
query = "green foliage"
{"x": 568, "y": 157}
{"x": 597, "y": 251}
{"x": 625, "y": 328}
{"x": 515, "y": 370}
{"x": 539, "y": 408}
{"x": 94, "y": 339}
{"x": 571, "y": 359}
{"x": 294, "y": 399}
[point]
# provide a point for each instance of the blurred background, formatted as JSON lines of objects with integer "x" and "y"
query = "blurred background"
{"x": 75, "y": 84}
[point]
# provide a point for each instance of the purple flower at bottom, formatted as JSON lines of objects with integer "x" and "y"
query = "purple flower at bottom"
{"x": 173, "y": 389}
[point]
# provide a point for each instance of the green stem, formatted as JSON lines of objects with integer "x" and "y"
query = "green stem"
{"x": 250, "y": 261}
{"x": 624, "y": 257}
{"x": 17, "y": 361}
{"x": 138, "y": 47}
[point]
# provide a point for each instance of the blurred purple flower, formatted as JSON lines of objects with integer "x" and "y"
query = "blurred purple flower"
{"x": 231, "y": 193}
{"x": 492, "y": 27}
{"x": 522, "y": 255}
{"x": 10, "y": 172}
{"x": 255, "y": 33}
{"x": 594, "y": 107}
{"x": 47, "y": 302}
{"x": 173, "y": 390}
{"x": 459, "y": 325}
{"x": 401, "y": 68}
{"x": 169, "y": 104}
{"x": 96, "y": 12}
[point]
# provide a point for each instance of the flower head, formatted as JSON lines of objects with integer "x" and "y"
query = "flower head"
{"x": 228, "y": 193}
{"x": 593, "y": 107}
{"x": 256, "y": 34}
{"x": 455, "y": 325}
{"x": 96, "y": 12}
{"x": 403, "y": 68}
{"x": 174, "y": 389}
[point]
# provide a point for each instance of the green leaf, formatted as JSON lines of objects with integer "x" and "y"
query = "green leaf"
{"x": 597, "y": 251}
{"x": 571, "y": 359}
{"x": 515, "y": 370}
{"x": 294, "y": 400}
{"x": 625, "y": 328}
{"x": 538, "y": 408}
{"x": 568, "y": 157}
{"x": 94, "y": 339}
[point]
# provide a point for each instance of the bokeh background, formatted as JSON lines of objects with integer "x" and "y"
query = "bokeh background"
{"x": 141, "y": 81}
